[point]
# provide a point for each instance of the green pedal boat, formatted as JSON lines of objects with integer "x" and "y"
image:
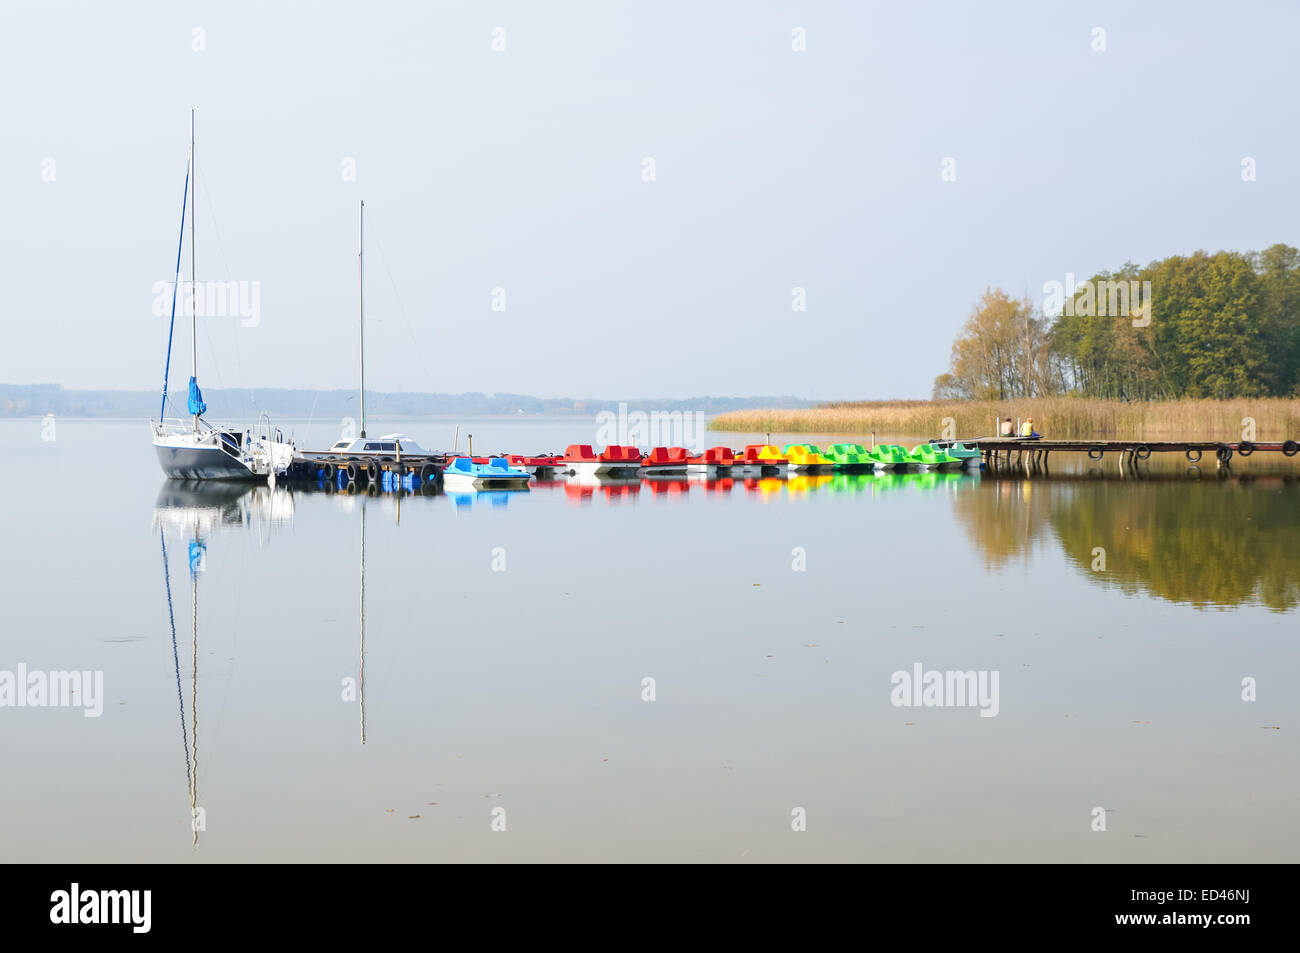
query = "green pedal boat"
{"x": 888, "y": 456}
{"x": 929, "y": 457}
{"x": 849, "y": 456}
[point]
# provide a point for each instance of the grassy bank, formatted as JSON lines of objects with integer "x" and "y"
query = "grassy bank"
{"x": 1057, "y": 417}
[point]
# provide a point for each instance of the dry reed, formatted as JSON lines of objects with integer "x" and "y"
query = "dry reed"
{"x": 1065, "y": 418}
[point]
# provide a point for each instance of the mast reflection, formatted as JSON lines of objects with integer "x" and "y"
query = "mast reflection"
{"x": 194, "y": 511}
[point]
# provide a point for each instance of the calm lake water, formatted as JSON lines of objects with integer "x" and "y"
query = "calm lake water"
{"x": 499, "y": 645}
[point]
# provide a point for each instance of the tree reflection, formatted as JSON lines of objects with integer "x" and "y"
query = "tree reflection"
{"x": 1206, "y": 543}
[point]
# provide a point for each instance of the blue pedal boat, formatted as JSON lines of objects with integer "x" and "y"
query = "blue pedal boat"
{"x": 462, "y": 473}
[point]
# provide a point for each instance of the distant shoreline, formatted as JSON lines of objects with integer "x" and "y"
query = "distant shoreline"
{"x": 39, "y": 400}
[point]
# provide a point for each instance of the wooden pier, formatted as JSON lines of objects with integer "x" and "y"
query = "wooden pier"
{"x": 363, "y": 469}
{"x": 1004, "y": 453}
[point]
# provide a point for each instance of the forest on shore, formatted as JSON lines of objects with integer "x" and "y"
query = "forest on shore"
{"x": 1219, "y": 326}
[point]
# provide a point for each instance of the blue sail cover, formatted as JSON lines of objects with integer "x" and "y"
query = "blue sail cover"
{"x": 197, "y": 407}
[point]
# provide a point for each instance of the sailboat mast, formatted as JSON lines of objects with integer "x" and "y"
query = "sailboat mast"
{"x": 194, "y": 278}
{"x": 361, "y": 671}
{"x": 361, "y": 291}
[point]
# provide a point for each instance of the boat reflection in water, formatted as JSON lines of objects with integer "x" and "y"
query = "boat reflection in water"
{"x": 804, "y": 483}
{"x": 582, "y": 488}
{"x": 189, "y": 514}
{"x": 669, "y": 487}
{"x": 768, "y": 487}
{"x": 711, "y": 483}
{"x": 495, "y": 498}
{"x": 210, "y": 507}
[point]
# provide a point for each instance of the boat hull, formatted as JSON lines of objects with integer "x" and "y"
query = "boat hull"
{"x": 201, "y": 463}
{"x": 467, "y": 481}
{"x": 587, "y": 468}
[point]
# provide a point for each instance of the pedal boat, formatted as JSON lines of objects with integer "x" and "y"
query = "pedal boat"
{"x": 462, "y": 473}
{"x": 929, "y": 457}
{"x": 806, "y": 458}
{"x": 580, "y": 460}
{"x": 665, "y": 461}
{"x": 968, "y": 456}
{"x": 850, "y": 456}
{"x": 888, "y": 456}
{"x": 765, "y": 460}
{"x": 711, "y": 462}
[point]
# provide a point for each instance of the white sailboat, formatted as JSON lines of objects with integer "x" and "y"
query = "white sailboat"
{"x": 203, "y": 451}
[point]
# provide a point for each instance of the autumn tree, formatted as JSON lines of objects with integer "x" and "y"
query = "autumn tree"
{"x": 1002, "y": 353}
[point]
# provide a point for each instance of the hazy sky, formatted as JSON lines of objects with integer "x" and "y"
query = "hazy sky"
{"x": 523, "y": 170}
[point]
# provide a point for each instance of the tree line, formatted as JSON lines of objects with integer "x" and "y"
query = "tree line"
{"x": 1203, "y": 325}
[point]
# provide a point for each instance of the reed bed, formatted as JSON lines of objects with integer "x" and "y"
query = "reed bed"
{"x": 1063, "y": 418}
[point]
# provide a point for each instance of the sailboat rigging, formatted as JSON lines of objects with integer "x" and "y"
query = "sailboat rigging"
{"x": 206, "y": 452}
